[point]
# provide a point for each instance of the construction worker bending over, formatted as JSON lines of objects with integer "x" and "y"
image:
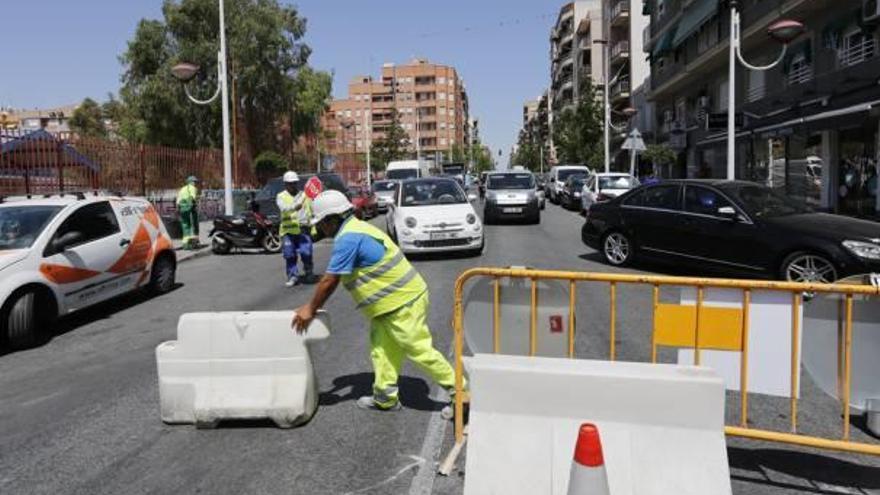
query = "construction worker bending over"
{"x": 296, "y": 215}
{"x": 188, "y": 208}
{"x": 389, "y": 292}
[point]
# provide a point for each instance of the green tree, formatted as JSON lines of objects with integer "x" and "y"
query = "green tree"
{"x": 483, "y": 161}
{"x": 266, "y": 52}
{"x": 269, "y": 164}
{"x": 88, "y": 119}
{"x": 394, "y": 145}
{"x": 659, "y": 155}
{"x": 528, "y": 152}
{"x": 577, "y": 132}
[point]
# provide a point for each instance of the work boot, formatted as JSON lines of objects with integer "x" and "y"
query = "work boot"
{"x": 448, "y": 411}
{"x": 291, "y": 282}
{"x": 369, "y": 402}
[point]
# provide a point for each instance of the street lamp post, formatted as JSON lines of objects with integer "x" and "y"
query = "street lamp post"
{"x": 185, "y": 73}
{"x": 784, "y": 31}
{"x": 606, "y": 98}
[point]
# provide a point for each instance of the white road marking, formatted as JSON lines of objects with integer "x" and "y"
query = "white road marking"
{"x": 417, "y": 461}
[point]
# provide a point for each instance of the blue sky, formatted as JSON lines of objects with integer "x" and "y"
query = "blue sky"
{"x": 59, "y": 51}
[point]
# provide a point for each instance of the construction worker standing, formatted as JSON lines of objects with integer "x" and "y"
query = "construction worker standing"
{"x": 389, "y": 292}
{"x": 188, "y": 208}
{"x": 296, "y": 214}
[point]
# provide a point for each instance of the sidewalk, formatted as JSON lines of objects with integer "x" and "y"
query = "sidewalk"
{"x": 203, "y": 250}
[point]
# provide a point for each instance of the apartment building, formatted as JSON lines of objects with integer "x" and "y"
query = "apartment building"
{"x": 430, "y": 100}
{"x": 808, "y": 127}
{"x": 628, "y": 67}
{"x": 573, "y": 56}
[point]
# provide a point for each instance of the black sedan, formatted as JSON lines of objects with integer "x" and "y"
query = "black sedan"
{"x": 570, "y": 195}
{"x": 739, "y": 226}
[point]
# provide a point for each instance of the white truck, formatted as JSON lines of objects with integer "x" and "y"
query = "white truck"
{"x": 407, "y": 169}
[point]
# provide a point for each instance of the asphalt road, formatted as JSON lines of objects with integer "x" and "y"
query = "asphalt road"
{"x": 79, "y": 415}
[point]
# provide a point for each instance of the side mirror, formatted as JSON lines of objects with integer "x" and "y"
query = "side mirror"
{"x": 727, "y": 212}
{"x": 67, "y": 240}
{"x": 472, "y": 197}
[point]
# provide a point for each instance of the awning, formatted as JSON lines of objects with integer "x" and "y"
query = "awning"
{"x": 664, "y": 46}
{"x": 693, "y": 17}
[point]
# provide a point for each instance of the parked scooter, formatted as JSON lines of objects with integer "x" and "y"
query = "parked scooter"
{"x": 247, "y": 230}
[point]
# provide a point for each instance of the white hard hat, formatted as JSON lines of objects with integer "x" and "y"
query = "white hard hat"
{"x": 291, "y": 176}
{"x": 329, "y": 203}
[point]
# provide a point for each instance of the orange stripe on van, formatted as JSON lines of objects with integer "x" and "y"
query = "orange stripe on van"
{"x": 61, "y": 274}
{"x": 137, "y": 255}
{"x": 152, "y": 217}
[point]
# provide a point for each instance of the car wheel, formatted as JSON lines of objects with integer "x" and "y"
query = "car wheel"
{"x": 271, "y": 243}
{"x": 21, "y": 324}
{"x": 163, "y": 274}
{"x": 808, "y": 268}
{"x": 617, "y": 249}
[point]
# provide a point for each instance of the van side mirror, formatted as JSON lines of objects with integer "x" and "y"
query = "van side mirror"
{"x": 67, "y": 240}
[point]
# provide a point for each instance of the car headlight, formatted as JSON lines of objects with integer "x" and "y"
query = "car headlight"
{"x": 865, "y": 250}
{"x": 471, "y": 218}
{"x": 410, "y": 222}
{"x": 577, "y": 194}
{"x": 407, "y": 232}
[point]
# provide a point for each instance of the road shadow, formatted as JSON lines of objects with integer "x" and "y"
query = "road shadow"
{"x": 414, "y": 392}
{"x": 442, "y": 256}
{"x": 814, "y": 468}
{"x": 100, "y": 311}
{"x": 860, "y": 421}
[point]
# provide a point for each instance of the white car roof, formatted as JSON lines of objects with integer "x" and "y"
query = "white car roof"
{"x": 66, "y": 200}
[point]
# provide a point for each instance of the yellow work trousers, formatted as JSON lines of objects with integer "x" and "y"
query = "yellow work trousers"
{"x": 404, "y": 333}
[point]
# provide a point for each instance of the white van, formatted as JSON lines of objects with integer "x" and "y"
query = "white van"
{"x": 558, "y": 174}
{"x": 407, "y": 169}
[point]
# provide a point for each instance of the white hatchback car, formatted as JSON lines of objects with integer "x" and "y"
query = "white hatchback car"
{"x": 433, "y": 215}
{"x": 64, "y": 253}
{"x": 605, "y": 186}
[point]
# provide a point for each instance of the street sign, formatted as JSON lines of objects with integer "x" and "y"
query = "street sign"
{"x": 314, "y": 187}
{"x": 718, "y": 121}
{"x": 634, "y": 141}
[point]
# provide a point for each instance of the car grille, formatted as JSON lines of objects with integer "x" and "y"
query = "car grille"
{"x": 445, "y": 227}
{"x": 443, "y": 243}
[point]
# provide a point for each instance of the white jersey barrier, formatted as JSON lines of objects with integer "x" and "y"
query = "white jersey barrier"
{"x": 239, "y": 366}
{"x": 662, "y": 425}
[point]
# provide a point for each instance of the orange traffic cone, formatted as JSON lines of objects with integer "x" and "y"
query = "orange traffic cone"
{"x": 588, "y": 475}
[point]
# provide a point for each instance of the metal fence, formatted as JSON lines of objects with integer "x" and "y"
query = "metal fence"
{"x": 39, "y": 162}
{"x": 699, "y": 327}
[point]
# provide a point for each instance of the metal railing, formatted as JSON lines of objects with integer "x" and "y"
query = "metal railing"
{"x": 619, "y": 48}
{"x": 620, "y": 8}
{"x": 736, "y": 322}
{"x": 856, "y": 53}
{"x": 800, "y": 73}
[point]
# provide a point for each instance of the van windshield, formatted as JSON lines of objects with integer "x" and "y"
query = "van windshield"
{"x": 567, "y": 172}
{"x": 21, "y": 225}
{"x": 402, "y": 173}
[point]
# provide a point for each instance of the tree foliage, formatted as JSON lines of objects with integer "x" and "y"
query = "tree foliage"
{"x": 88, "y": 119}
{"x": 659, "y": 154}
{"x": 578, "y": 131}
{"x": 269, "y": 164}
{"x": 394, "y": 145}
{"x": 266, "y": 60}
{"x": 528, "y": 152}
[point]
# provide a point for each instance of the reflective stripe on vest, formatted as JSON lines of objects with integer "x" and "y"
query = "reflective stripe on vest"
{"x": 290, "y": 223}
{"x": 384, "y": 286}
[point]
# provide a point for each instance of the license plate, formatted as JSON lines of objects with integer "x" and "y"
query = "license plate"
{"x": 512, "y": 210}
{"x": 437, "y": 236}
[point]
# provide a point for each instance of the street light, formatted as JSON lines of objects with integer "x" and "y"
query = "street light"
{"x": 185, "y": 72}
{"x": 606, "y": 98}
{"x": 784, "y": 31}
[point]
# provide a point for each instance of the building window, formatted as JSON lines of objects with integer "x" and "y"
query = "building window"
{"x": 442, "y": 141}
{"x": 451, "y": 97}
{"x": 706, "y": 38}
{"x": 441, "y": 80}
{"x": 856, "y": 48}
{"x": 348, "y": 113}
{"x": 681, "y": 110}
{"x": 722, "y": 96}
{"x": 800, "y": 69}
{"x": 442, "y": 96}
{"x": 357, "y": 113}
{"x": 757, "y": 85}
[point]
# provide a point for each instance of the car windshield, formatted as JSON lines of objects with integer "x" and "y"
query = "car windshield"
{"x": 429, "y": 192}
{"x": 21, "y": 225}
{"x": 511, "y": 181}
{"x": 577, "y": 181}
{"x": 384, "y": 186}
{"x": 618, "y": 182}
{"x": 763, "y": 202}
{"x": 566, "y": 173}
{"x": 403, "y": 173}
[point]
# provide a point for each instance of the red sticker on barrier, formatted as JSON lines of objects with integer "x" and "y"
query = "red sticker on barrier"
{"x": 314, "y": 187}
{"x": 556, "y": 324}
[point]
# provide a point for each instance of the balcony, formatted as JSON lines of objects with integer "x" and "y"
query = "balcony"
{"x": 856, "y": 53}
{"x": 799, "y": 73}
{"x": 619, "y": 13}
{"x": 620, "y": 90}
{"x": 619, "y": 50}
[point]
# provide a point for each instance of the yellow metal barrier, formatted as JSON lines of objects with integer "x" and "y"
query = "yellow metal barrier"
{"x": 679, "y": 326}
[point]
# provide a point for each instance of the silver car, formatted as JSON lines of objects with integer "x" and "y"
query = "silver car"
{"x": 511, "y": 195}
{"x": 385, "y": 191}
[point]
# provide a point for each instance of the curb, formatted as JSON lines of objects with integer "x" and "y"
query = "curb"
{"x": 184, "y": 256}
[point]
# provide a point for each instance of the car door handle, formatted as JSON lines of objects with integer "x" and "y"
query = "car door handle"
{"x": 124, "y": 242}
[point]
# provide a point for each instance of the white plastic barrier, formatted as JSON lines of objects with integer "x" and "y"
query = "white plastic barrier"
{"x": 239, "y": 366}
{"x": 661, "y": 425}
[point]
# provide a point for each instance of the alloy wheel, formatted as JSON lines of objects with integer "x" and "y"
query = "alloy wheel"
{"x": 617, "y": 248}
{"x": 810, "y": 268}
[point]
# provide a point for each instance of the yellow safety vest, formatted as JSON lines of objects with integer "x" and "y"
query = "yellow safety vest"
{"x": 387, "y": 285}
{"x": 187, "y": 197}
{"x": 291, "y": 220}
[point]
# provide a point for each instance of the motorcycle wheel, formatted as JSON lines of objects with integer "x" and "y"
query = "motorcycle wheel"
{"x": 271, "y": 243}
{"x": 220, "y": 247}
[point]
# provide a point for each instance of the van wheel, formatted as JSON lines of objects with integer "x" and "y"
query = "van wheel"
{"x": 24, "y": 327}
{"x": 163, "y": 274}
